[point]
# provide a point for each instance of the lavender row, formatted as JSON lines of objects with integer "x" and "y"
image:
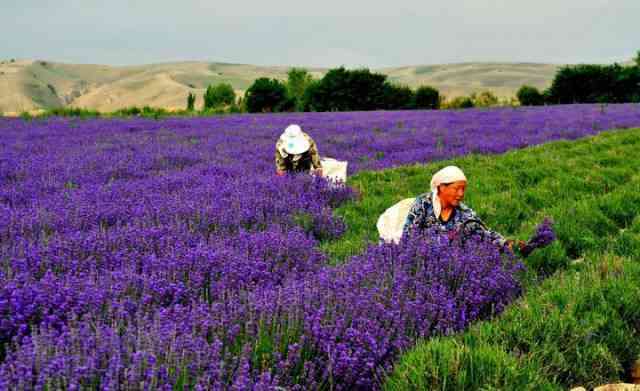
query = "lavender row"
{"x": 149, "y": 254}
{"x": 337, "y": 327}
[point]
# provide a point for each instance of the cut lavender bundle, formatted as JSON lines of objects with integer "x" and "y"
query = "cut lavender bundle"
{"x": 543, "y": 237}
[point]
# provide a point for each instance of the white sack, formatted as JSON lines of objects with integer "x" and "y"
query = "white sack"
{"x": 333, "y": 169}
{"x": 391, "y": 222}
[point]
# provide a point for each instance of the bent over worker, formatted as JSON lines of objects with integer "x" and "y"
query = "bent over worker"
{"x": 297, "y": 152}
{"x": 442, "y": 209}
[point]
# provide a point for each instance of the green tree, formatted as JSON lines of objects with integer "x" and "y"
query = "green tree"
{"x": 219, "y": 95}
{"x": 267, "y": 95}
{"x": 306, "y": 103}
{"x": 427, "y": 98}
{"x": 298, "y": 80}
{"x": 637, "y": 59}
{"x": 398, "y": 97}
{"x": 461, "y": 102}
{"x": 191, "y": 101}
{"x": 530, "y": 96}
{"x": 595, "y": 84}
{"x": 347, "y": 90}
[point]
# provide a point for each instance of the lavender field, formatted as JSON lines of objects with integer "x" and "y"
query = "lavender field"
{"x": 144, "y": 254}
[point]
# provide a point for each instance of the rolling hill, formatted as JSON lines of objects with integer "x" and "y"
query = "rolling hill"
{"x": 34, "y": 84}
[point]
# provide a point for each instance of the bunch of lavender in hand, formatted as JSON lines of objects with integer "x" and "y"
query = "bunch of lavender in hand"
{"x": 543, "y": 237}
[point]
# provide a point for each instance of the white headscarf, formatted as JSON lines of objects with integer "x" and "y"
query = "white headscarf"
{"x": 448, "y": 174}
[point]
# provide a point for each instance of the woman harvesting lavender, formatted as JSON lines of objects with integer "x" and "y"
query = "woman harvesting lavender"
{"x": 297, "y": 152}
{"x": 442, "y": 210}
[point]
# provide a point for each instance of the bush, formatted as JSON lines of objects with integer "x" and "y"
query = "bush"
{"x": 219, "y": 95}
{"x": 397, "y": 97}
{"x": 71, "y": 112}
{"x": 348, "y": 90}
{"x": 461, "y": 102}
{"x": 298, "y": 79}
{"x": 484, "y": 99}
{"x": 191, "y": 101}
{"x": 595, "y": 84}
{"x": 309, "y": 93}
{"x": 530, "y": 96}
{"x": 427, "y": 98}
{"x": 267, "y": 95}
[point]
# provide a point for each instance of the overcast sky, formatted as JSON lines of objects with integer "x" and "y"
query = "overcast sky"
{"x": 320, "y": 33}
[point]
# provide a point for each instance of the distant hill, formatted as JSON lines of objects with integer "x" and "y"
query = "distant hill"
{"x": 30, "y": 85}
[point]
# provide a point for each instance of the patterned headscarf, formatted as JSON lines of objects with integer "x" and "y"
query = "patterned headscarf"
{"x": 448, "y": 174}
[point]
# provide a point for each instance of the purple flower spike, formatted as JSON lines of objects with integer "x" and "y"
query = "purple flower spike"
{"x": 543, "y": 237}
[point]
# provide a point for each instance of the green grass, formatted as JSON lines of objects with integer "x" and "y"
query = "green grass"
{"x": 133, "y": 111}
{"x": 590, "y": 187}
{"x": 578, "y": 326}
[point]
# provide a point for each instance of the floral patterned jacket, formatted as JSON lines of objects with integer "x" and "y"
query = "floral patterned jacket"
{"x": 463, "y": 220}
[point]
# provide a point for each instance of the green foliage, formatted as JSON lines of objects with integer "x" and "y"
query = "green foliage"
{"x": 427, "y": 98}
{"x": 298, "y": 79}
{"x": 305, "y": 103}
{"x": 582, "y": 185}
{"x": 577, "y": 328}
{"x": 595, "y": 84}
{"x": 637, "y": 59}
{"x": 484, "y": 99}
{"x": 347, "y": 90}
{"x": 71, "y": 112}
{"x": 460, "y": 102}
{"x": 580, "y": 326}
{"x": 134, "y": 111}
{"x": 398, "y": 97}
{"x": 191, "y": 101}
{"x": 449, "y": 364}
{"x": 219, "y": 95}
{"x": 267, "y": 95}
{"x": 530, "y": 96}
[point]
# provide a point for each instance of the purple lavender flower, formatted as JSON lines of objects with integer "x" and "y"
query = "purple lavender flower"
{"x": 543, "y": 237}
{"x": 165, "y": 254}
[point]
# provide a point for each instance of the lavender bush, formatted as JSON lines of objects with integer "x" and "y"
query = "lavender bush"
{"x": 335, "y": 327}
{"x": 141, "y": 254}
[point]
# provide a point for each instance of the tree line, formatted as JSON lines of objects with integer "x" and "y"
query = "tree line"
{"x": 339, "y": 89}
{"x": 342, "y": 89}
{"x": 588, "y": 84}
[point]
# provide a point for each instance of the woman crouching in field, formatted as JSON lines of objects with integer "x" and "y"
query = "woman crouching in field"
{"x": 442, "y": 209}
{"x": 297, "y": 152}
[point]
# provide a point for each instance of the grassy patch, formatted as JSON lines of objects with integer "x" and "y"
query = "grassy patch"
{"x": 591, "y": 187}
{"x": 580, "y": 326}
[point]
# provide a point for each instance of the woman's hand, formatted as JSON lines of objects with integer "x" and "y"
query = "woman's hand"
{"x": 520, "y": 245}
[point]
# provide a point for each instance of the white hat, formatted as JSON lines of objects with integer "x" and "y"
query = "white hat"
{"x": 294, "y": 141}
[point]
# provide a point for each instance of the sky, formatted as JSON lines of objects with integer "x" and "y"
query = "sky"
{"x": 323, "y": 33}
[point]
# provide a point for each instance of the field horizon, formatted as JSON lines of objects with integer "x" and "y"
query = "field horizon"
{"x": 32, "y": 84}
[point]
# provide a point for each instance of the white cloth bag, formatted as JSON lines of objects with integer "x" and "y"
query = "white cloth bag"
{"x": 391, "y": 222}
{"x": 333, "y": 169}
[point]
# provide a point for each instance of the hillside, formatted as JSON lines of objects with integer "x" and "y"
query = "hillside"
{"x": 31, "y": 85}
